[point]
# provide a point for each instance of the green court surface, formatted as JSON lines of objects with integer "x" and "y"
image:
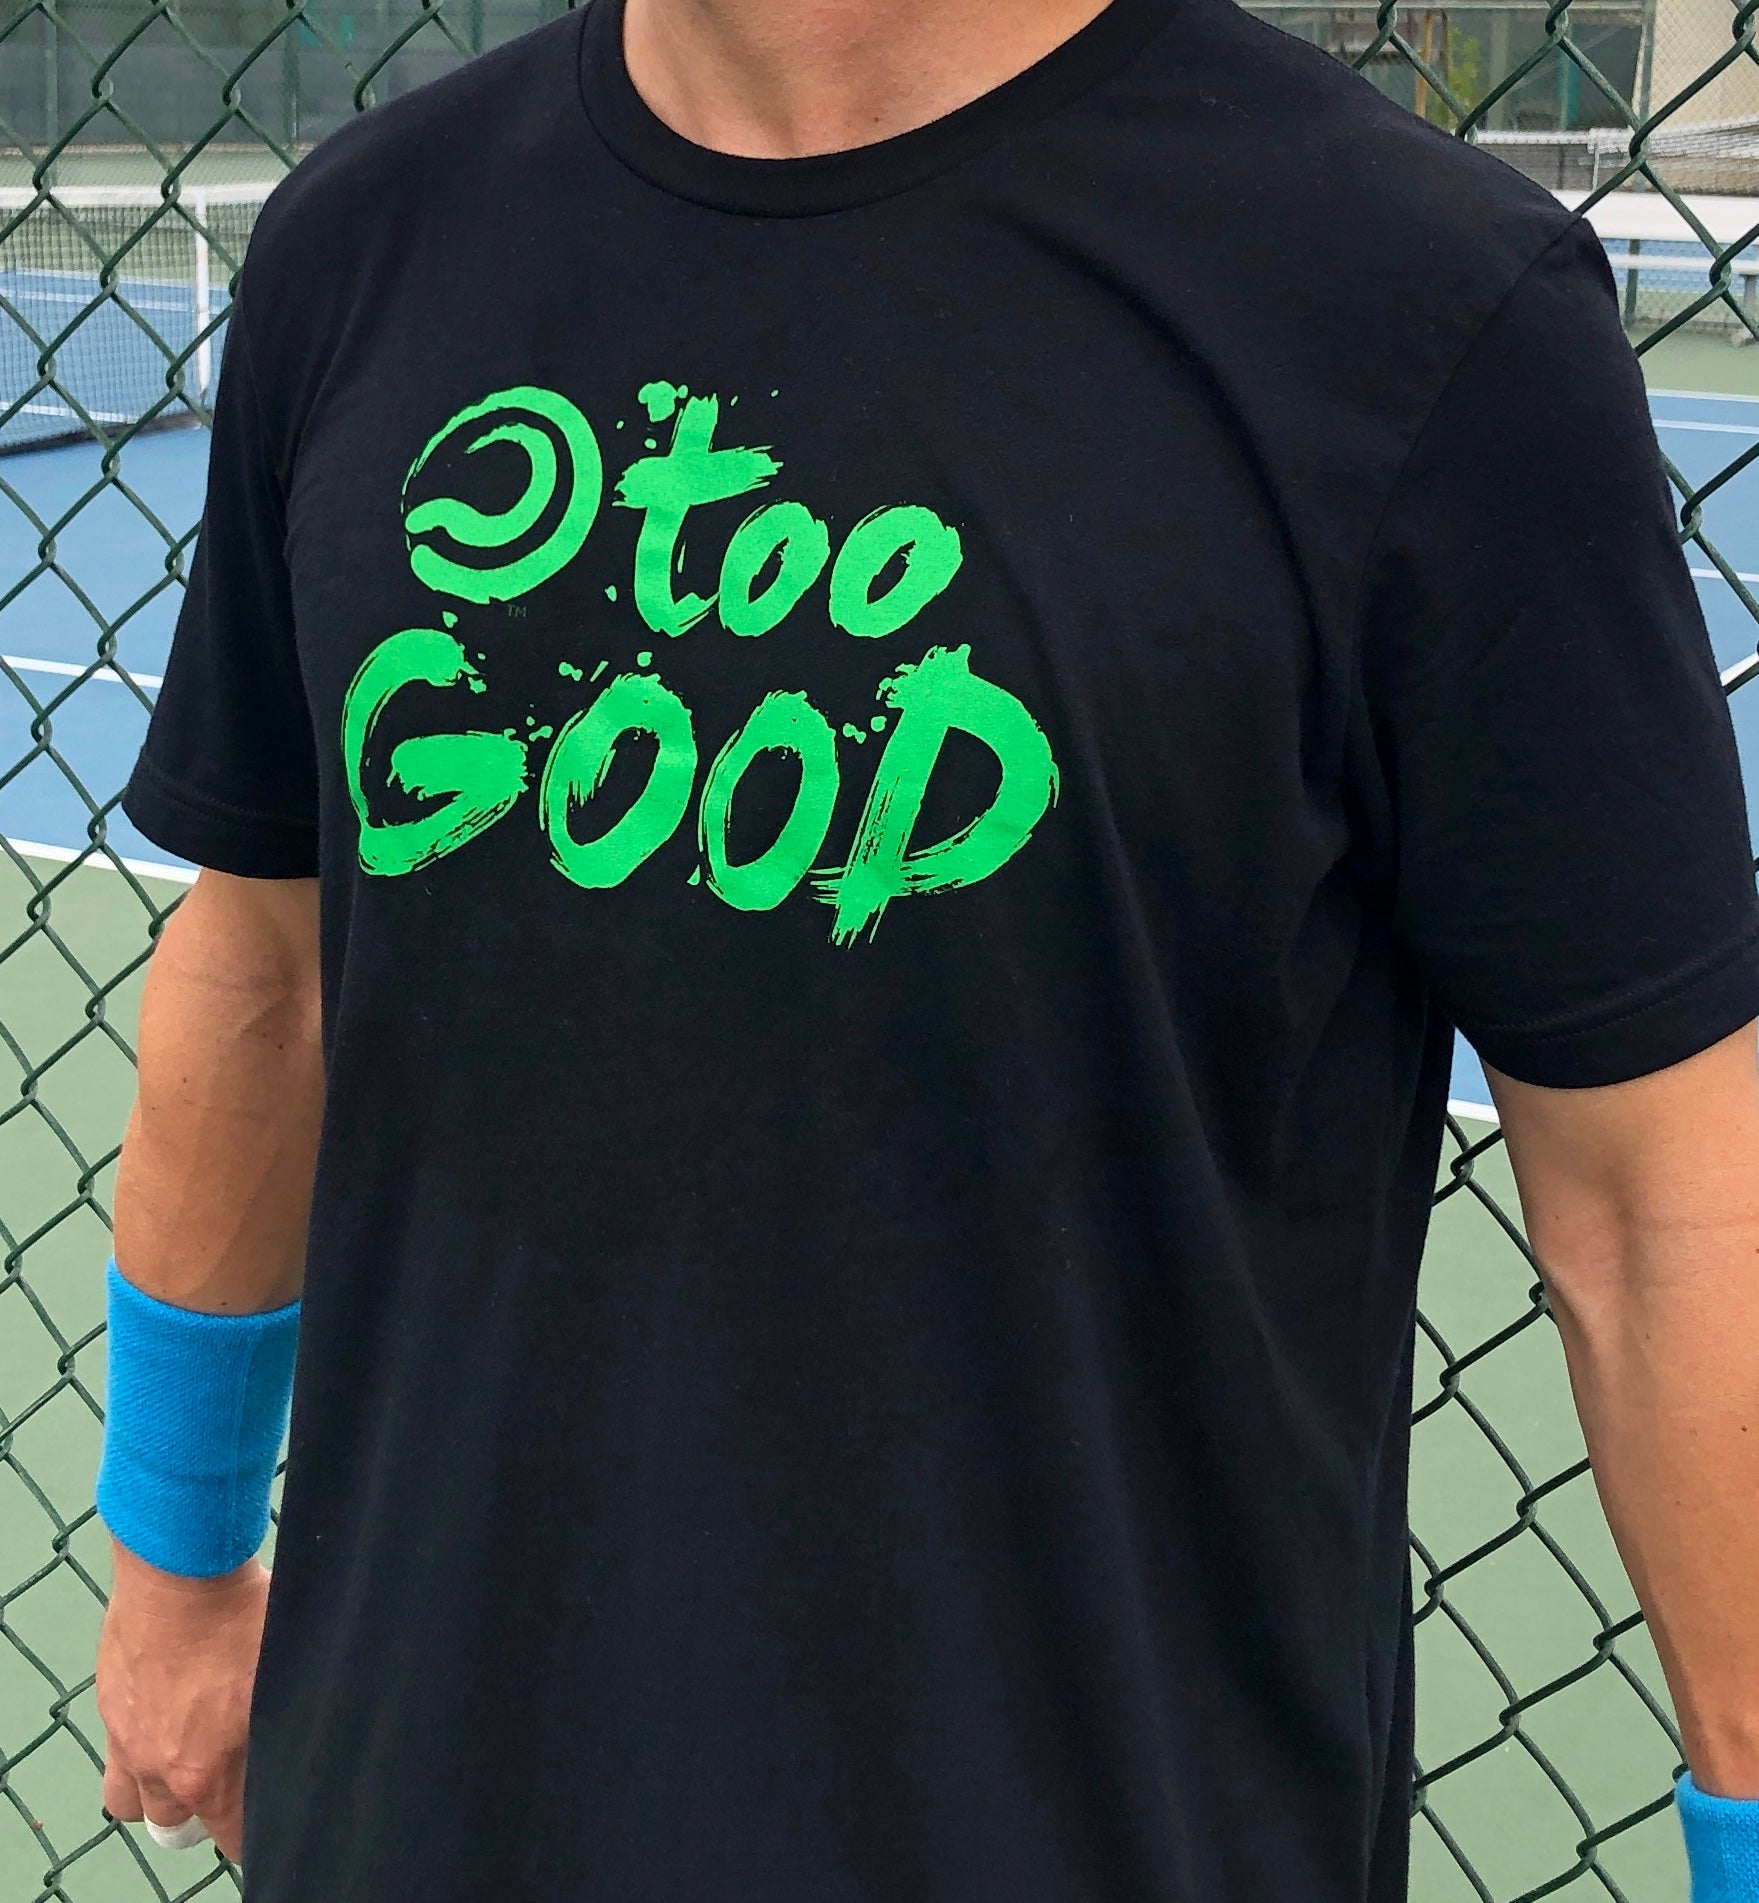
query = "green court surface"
{"x": 1710, "y": 364}
{"x": 1508, "y": 1581}
{"x": 216, "y": 165}
{"x": 68, "y": 1004}
{"x": 69, "y": 990}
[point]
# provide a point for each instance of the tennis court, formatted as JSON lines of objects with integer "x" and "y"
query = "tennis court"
{"x": 125, "y": 293}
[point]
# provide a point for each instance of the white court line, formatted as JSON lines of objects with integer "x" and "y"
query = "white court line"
{"x": 24, "y": 664}
{"x": 1716, "y": 574}
{"x": 65, "y": 855}
{"x": 1478, "y": 1112}
{"x": 65, "y": 410}
{"x": 182, "y": 306}
{"x": 1709, "y": 429}
{"x": 1706, "y": 396}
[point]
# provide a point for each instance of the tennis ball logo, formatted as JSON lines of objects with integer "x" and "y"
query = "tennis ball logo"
{"x": 541, "y": 531}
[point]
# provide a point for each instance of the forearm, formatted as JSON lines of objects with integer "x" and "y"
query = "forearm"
{"x": 214, "y": 1186}
{"x": 1642, "y": 1206}
{"x": 1660, "y": 1322}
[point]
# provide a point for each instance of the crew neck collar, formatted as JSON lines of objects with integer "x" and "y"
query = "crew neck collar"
{"x": 841, "y": 181}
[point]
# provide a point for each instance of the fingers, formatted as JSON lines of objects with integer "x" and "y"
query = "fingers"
{"x": 121, "y": 1793}
{"x": 172, "y": 1825}
{"x": 184, "y": 1836}
{"x": 163, "y": 1811}
{"x": 227, "y": 1828}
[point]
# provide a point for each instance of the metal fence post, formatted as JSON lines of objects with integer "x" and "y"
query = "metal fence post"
{"x": 204, "y": 350}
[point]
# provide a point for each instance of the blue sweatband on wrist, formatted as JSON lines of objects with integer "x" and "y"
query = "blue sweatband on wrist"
{"x": 1722, "y": 1844}
{"x": 196, "y": 1408}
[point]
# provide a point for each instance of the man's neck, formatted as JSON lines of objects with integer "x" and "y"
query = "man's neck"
{"x": 787, "y": 78}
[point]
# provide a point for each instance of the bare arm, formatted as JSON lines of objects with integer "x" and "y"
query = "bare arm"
{"x": 1642, "y": 1205}
{"x": 212, "y": 1198}
{"x": 215, "y": 1180}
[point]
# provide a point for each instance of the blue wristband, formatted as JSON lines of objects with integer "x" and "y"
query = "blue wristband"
{"x": 1722, "y": 1844}
{"x": 196, "y": 1408}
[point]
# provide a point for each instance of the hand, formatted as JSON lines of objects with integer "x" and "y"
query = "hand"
{"x": 176, "y": 1662}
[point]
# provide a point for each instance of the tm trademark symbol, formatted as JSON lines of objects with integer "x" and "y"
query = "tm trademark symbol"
{"x": 517, "y": 610}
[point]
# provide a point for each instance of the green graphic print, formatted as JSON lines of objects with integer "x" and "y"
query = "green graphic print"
{"x": 580, "y": 759}
{"x": 472, "y": 529}
{"x": 933, "y": 698}
{"x": 478, "y": 775}
{"x": 789, "y": 723}
{"x": 886, "y": 570}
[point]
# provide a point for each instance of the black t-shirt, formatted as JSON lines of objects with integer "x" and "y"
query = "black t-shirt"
{"x": 912, "y": 757}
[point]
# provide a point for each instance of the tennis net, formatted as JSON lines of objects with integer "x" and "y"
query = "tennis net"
{"x": 1719, "y": 157}
{"x": 112, "y": 306}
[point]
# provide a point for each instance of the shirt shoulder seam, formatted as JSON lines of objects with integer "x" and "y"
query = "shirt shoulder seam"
{"x": 1421, "y": 432}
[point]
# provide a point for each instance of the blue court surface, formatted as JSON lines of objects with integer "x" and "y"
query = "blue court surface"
{"x": 113, "y": 559}
{"x": 113, "y": 355}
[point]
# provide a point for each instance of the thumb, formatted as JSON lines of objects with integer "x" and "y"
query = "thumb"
{"x": 227, "y": 1828}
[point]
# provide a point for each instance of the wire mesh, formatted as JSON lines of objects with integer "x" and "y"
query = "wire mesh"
{"x": 127, "y": 293}
{"x": 136, "y": 137}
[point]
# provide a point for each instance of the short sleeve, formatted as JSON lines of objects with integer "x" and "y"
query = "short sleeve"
{"x": 1568, "y": 838}
{"x": 227, "y": 776}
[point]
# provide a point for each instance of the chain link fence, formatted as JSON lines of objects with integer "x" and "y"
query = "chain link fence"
{"x": 136, "y": 139}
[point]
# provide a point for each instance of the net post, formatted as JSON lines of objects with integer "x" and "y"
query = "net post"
{"x": 204, "y": 350}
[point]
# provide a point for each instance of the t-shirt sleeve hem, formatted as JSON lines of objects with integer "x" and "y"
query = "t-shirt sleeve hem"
{"x": 224, "y": 839}
{"x": 1706, "y": 1001}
